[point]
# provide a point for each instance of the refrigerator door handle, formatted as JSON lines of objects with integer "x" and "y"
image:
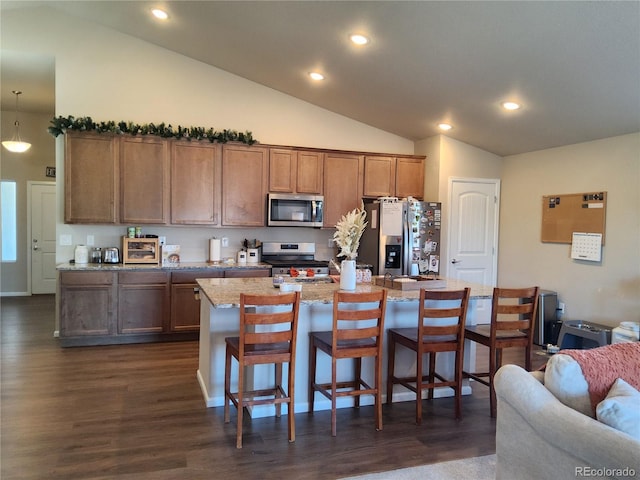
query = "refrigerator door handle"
{"x": 407, "y": 241}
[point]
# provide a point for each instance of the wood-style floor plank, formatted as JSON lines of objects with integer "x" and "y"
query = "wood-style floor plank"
{"x": 136, "y": 412}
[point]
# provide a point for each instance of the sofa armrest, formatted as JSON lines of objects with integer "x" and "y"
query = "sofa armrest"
{"x": 539, "y": 437}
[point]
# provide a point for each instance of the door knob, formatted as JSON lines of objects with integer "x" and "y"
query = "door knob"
{"x": 455, "y": 261}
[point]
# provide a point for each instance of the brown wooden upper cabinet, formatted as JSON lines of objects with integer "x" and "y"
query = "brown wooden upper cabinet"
{"x": 295, "y": 171}
{"x": 195, "y": 174}
{"x": 245, "y": 175}
{"x": 91, "y": 178}
{"x": 343, "y": 175}
{"x": 396, "y": 177}
{"x": 410, "y": 177}
{"x": 144, "y": 180}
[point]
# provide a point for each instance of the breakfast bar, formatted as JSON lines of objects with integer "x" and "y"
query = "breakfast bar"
{"x": 219, "y": 318}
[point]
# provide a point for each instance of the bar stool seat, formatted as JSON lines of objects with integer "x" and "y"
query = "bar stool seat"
{"x": 513, "y": 316}
{"x": 268, "y": 329}
{"x": 352, "y": 336}
{"x": 430, "y": 338}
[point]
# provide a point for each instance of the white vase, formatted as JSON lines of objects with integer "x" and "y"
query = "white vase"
{"x": 348, "y": 275}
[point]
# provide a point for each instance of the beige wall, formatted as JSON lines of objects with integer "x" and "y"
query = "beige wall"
{"x": 449, "y": 158}
{"x": 23, "y": 167}
{"x": 606, "y": 292}
{"x": 109, "y": 76}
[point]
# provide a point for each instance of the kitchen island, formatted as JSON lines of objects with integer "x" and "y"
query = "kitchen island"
{"x": 219, "y": 318}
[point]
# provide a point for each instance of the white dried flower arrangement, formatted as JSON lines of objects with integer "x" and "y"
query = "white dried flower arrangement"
{"x": 348, "y": 232}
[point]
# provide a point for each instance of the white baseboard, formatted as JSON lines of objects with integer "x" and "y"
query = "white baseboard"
{"x": 15, "y": 294}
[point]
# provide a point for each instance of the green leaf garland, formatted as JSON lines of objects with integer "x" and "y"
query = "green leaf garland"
{"x": 61, "y": 125}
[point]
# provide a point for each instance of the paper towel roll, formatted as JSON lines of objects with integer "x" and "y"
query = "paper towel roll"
{"x": 214, "y": 250}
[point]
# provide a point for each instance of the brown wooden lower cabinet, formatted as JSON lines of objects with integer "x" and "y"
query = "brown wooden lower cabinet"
{"x": 88, "y": 304}
{"x": 101, "y": 308}
{"x": 143, "y": 302}
{"x": 185, "y": 307}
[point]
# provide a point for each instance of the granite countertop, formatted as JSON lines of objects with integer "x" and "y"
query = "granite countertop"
{"x": 142, "y": 266}
{"x": 225, "y": 292}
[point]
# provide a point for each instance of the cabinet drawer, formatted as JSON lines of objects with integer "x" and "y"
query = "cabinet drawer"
{"x": 247, "y": 273}
{"x": 143, "y": 277}
{"x": 87, "y": 278}
{"x": 190, "y": 277}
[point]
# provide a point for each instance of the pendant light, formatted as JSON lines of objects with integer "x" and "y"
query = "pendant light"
{"x": 16, "y": 145}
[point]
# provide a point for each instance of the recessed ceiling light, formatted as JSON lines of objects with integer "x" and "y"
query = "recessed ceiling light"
{"x": 316, "y": 76}
{"x": 444, "y": 126}
{"x": 160, "y": 14}
{"x": 359, "y": 39}
{"x": 511, "y": 105}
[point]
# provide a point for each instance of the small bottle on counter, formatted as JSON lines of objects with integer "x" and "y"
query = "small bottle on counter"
{"x": 96, "y": 255}
{"x": 81, "y": 254}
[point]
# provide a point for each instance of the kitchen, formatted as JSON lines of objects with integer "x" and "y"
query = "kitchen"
{"x": 88, "y": 199}
{"x": 134, "y": 80}
{"x": 212, "y": 98}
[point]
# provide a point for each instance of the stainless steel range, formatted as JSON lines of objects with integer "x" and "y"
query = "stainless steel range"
{"x": 294, "y": 259}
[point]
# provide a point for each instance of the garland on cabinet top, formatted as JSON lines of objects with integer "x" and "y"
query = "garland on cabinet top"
{"x": 61, "y": 125}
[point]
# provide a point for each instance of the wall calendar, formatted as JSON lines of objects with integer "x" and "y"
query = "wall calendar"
{"x": 586, "y": 246}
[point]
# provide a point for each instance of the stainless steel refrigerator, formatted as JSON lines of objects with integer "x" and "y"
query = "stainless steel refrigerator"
{"x": 402, "y": 237}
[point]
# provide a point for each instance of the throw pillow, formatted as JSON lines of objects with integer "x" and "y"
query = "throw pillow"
{"x": 563, "y": 377}
{"x": 621, "y": 409}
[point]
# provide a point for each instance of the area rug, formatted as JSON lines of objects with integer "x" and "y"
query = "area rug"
{"x": 476, "y": 468}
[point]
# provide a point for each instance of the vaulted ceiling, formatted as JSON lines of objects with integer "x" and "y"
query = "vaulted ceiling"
{"x": 574, "y": 66}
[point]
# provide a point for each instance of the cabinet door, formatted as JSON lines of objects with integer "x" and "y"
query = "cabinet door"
{"x": 379, "y": 177}
{"x": 194, "y": 183}
{"x": 144, "y": 180}
{"x": 309, "y": 172}
{"x": 282, "y": 170}
{"x": 90, "y": 179}
{"x": 292, "y": 171}
{"x": 88, "y": 303}
{"x": 245, "y": 173}
{"x": 410, "y": 177}
{"x": 143, "y": 302}
{"x": 342, "y": 185}
{"x": 185, "y": 307}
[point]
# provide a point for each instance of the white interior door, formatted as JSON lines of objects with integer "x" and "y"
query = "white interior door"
{"x": 43, "y": 237}
{"x": 473, "y": 234}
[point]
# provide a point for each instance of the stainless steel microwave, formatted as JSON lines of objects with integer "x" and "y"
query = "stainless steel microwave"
{"x": 293, "y": 210}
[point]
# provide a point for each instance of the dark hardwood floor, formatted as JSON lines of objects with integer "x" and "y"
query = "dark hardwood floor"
{"x": 136, "y": 412}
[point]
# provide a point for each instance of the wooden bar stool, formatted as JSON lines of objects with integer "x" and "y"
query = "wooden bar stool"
{"x": 267, "y": 335}
{"x": 430, "y": 337}
{"x": 513, "y": 316}
{"x": 352, "y": 336}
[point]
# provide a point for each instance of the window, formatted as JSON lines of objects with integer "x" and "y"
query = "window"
{"x": 9, "y": 222}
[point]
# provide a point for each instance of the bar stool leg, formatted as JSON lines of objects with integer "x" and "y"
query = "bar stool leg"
{"x": 240, "y": 407}
{"x": 333, "y": 396}
{"x": 278, "y": 380}
{"x": 419, "y": 373}
{"x": 357, "y": 381}
{"x": 391, "y": 348}
{"x": 312, "y": 373}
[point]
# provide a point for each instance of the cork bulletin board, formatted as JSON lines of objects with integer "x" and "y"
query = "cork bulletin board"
{"x": 576, "y": 212}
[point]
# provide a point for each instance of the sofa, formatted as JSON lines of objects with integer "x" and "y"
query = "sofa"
{"x": 555, "y": 424}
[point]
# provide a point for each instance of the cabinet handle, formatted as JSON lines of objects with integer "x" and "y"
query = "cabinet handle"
{"x": 196, "y": 293}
